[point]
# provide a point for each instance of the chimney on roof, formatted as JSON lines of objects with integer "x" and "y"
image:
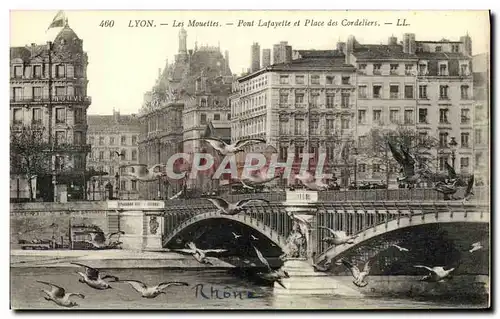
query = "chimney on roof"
{"x": 466, "y": 45}
{"x": 341, "y": 47}
{"x": 392, "y": 40}
{"x": 409, "y": 43}
{"x": 266, "y": 57}
{"x": 255, "y": 54}
{"x": 226, "y": 58}
{"x": 349, "y": 49}
{"x": 116, "y": 116}
{"x": 282, "y": 53}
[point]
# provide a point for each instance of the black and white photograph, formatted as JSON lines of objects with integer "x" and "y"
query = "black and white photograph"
{"x": 249, "y": 160}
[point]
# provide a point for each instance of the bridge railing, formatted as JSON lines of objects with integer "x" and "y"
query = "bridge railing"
{"x": 400, "y": 194}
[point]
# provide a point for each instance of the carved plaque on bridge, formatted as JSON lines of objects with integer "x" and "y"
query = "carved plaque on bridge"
{"x": 135, "y": 204}
{"x": 302, "y": 197}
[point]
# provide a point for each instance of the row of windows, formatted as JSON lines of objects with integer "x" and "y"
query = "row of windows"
{"x": 299, "y": 127}
{"x": 315, "y": 79}
{"x": 423, "y": 69}
{"x": 394, "y": 116}
{"x": 465, "y": 142}
{"x": 39, "y": 93}
{"x": 18, "y": 115}
{"x": 394, "y": 92}
{"x": 106, "y": 155}
{"x": 315, "y": 99}
{"x": 37, "y": 71}
{"x": 217, "y": 117}
{"x": 101, "y": 140}
{"x": 253, "y": 84}
{"x": 61, "y": 137}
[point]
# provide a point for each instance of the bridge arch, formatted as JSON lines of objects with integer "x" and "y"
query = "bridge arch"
{"x": 406, "y": 221}
{"x": 257, "y": 225}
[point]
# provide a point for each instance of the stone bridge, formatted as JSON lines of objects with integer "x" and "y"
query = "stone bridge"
{"x": 281, "y": 221}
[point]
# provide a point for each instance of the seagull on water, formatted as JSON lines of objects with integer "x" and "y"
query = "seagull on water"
{"x": 152, "y": 291}
{"x": 359, "y": 276}
{"x": 223, "y": 148}
{"x": 199, "y": 254}
{"x": 271, "y": 275}
{"x": 475, "y": 246}
{"x": 227, "y": 208}
{"x": 436, "y": 274}
{"x": 59, "y": 296}
{"x": 400, "y": 248}
{"x": 236, "y": 236}
{"x": 92, "y": 277}
{"x": 338, "y": 237}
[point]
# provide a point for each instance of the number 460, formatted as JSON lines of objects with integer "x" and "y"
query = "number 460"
{"x": 107, "y": 23}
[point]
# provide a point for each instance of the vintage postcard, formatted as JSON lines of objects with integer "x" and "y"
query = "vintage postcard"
{"x": 250, "y": 160}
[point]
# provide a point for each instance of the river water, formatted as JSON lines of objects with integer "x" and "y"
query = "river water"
{"x": 207, "y": 290}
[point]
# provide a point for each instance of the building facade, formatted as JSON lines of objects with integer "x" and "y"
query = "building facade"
{"x": 109, "y": 136}
{"x": 48, "y": 85}
{"x": 425, "y": 86}
{"x": 188, "y": 95}
{"x": 481, "y": 75}
{"x": 302, "y": 105}
{"x": 318, "y": 97}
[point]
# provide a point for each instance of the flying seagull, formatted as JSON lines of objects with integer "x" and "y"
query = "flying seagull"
{"x": 176, "y": 196}
{"x": 227, "y": 208}
{"x": 59, "y": 296}
{"x": 359, "y": 276}
{"x": 236, "y": 236}
{"x": 143, "y": 173}
{"x": 468, "y": 191}
{"x": 92, "y": 277}
{"x": 475, "y": 246}
{"x": 223, "y": 148}
{"x": 253, "y": 237}
{"x": 261, "y": 178}
{"x": 448, "y": 187}
{"x": 400, "y": 248}
{"x": 199, "y": 254}
{"x": 310, "y": 182}
{"x": 436, "y": 274}
{"x": 120, "y": 155}
{"x": 98, "y": 242}
{"x": 152, "y": 291}
{"x": 407, "y": 162}
{"x": 271, "y": 275}
{"x": 338, "y": 237}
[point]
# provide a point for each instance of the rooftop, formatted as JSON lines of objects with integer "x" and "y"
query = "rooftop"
{"x": 116, "y": 121}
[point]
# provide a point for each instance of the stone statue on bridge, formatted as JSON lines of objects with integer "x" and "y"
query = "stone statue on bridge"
{"x": 296, "y": 243}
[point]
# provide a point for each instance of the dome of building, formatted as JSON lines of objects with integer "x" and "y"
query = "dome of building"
{"x": 66, "y": 35}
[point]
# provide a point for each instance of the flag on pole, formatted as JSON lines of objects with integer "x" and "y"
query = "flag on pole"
{"x": 58, "y": 21}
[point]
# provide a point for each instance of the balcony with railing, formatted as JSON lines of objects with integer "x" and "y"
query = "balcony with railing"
{"x": 55, "y": 99}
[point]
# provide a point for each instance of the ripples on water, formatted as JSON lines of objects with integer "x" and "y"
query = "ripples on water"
{"x": 26, "y": 292}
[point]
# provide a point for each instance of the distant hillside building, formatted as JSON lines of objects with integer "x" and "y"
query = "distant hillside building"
{"x": 110, "y": 135}
{"x": 48, "y": 90}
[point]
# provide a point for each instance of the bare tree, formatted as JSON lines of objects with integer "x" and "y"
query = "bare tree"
{"x": 376, "y": 146}
{"x": 30, "y": 154}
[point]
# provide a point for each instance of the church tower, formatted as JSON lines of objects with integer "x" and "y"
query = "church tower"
{"x": 182, "y": 41}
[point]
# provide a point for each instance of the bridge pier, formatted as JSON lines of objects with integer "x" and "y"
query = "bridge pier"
{"x": 303, "y": 279}
{"x": 142, "y": 222}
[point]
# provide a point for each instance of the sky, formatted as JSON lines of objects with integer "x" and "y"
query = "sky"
{"x": 124, "y": 61}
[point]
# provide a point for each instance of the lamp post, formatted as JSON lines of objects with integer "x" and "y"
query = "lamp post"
{"x": 453, "y": 144}
{"x": 93, "y": 188}
{"x": 355, "y": 155}
{"x": 117, "y": 187}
